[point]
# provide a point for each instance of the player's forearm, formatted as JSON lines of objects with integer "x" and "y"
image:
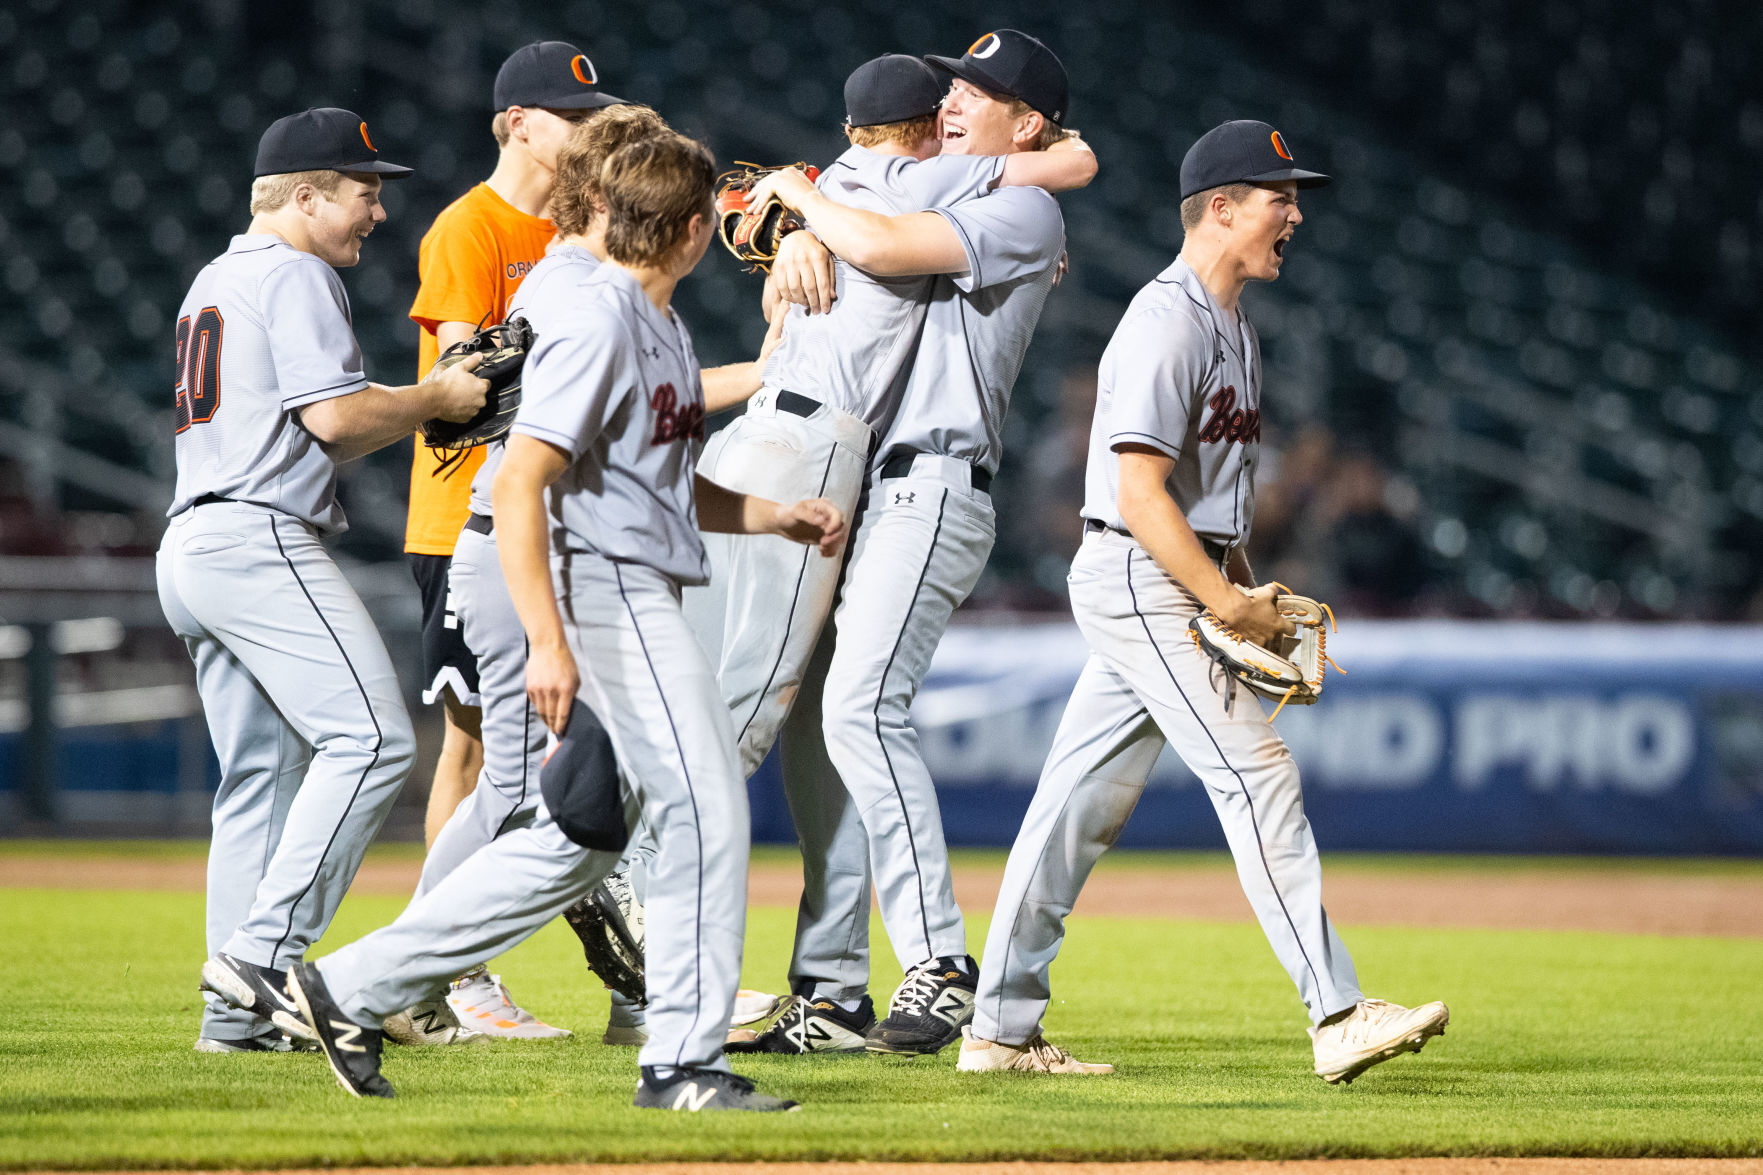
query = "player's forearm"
{"x": 524, "y": 548}
{"x": 887, "y": 246}
{"x": 1061, "y": 169}
{"x": 361, "y": 422}
{"x": 730, "y": 384}
{"x": 723, "y": 511}
{"x": 1161, "y": 528}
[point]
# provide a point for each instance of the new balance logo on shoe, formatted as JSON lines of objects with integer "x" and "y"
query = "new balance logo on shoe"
{"x": 691, "y": 1098}
{"x": 348, "y": 1036}
{"x": 952, "y": 1007}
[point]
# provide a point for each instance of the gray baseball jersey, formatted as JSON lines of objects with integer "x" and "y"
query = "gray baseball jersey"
{"x": 978, "y": 325}
{"x": 1181, "y": 378}
{"x": 288, "y": 343}
{"x": 561, "y": 264}
{"x": 854, "y": 356}
{"x": 615, "y": 385}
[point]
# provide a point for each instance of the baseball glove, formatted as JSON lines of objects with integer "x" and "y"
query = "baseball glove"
{"x": 1289, "y": 672}
{"x": 609, "y": 921}
{"x": 752, "y": 233}
{"x": 504, "y": 347}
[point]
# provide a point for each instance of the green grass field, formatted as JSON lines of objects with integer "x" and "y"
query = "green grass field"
{"x": 1560, "y": 1044}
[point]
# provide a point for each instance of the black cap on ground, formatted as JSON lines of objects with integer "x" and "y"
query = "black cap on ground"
{"x": 551, "y": 75}
{"x": 322, "y": 139}
{"x": 891, "y": 88}
{"x": 1013, "y": 63}
{"x": 1241, "y": 152}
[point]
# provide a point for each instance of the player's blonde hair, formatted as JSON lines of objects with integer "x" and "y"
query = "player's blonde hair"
{"x": 652, "y": 189}
{"x": 499, "y": 128}
{"x": 577, "y": 195}
{"x": 908, "y": 133}
{"x": 270, "y": 192}
{"x": 1193, "y": 209}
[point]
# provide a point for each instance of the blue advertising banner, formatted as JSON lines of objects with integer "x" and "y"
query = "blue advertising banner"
{"x": 1442, "y": 735}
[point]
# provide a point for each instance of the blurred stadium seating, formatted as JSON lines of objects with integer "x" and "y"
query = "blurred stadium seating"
{"x": 1486, "y": 390}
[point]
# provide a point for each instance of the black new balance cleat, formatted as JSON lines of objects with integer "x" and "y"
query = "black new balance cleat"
{"x": 929, "y": 1009}
{"x": 693, "y": 1090}
{"x": 353, "y": 1051}
{"x": 812, "y": 1026}
{"x": 251, "y": 988}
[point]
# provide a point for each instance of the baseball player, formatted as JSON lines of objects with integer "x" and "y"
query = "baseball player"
{"x": 602, "y": 452}
{"x": 301, "y": 699}
{"x": 830, "y": 390}
{"x": 514, "y": 737}
{"x": 928, "y": 527}
{"x": 1169, "y": 500}
{"x": 472, "y": 260}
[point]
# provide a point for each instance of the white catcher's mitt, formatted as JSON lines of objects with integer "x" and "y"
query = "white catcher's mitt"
{"x": 1289, "y": 672}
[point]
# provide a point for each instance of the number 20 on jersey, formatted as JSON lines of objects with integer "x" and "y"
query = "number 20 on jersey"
{"x": 198, "y": 368}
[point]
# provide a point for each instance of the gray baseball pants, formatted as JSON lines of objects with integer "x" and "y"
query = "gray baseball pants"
{"x": 1146, "y": 685}
{"x": 308, "y": 723}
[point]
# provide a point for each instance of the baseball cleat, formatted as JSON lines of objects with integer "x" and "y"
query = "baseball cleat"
{"x": 1374, "y": 1031}
{"x": 483, "y": 1004}
{"x": 929, "y": 1009}
{"x": 693, "y": 1090}
{"x": 812, "y": 1026}
{"x": 251, "y": 988}
{"x": 752, "y": 1007}
{"x": 428, "y": 1023}
{"x": 352, "y": 1050}
{"x": 1036, "y": 1056}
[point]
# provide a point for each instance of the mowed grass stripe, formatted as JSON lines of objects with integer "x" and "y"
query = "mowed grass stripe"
{"x": 1560, "y": 1044}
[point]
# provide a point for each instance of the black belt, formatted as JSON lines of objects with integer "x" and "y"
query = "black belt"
{"x": 479, "y": 523}
{"x": 797, "y": 404}
{"x": 900, "y": 464}
{"x": 1215, "y": 550}
{"x": 209, "y": 500}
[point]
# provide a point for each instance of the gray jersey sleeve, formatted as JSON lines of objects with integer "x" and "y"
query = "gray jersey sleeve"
{"x": 1009, "y": 234}
{"x": 943, "y": 180}
{"x": 307, "y": 319}
{"x": 1154, "y": 369}
{"x": 574, "y": 382}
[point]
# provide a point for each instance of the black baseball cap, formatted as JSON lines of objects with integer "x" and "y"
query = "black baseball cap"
{"x": 1013, "y": 63}
{"x": 322, "y": 139}
{"x": 1241, "y": 152}
{"x": 892, "y": 88}
{"x": 552, "y": 75}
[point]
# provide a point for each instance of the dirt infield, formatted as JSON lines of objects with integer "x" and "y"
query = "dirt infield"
{"x": 1618, "y": 898}
{"x": 1300, "y": 1167}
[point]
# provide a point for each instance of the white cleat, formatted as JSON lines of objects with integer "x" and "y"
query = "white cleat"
{"x": 483, "y": 1005}
{"x": 752, "y": 1007}
{"x": 1037, "y": 1056}
{"x": 427, "y": 1024}
{"x": 1374, "y": 1031}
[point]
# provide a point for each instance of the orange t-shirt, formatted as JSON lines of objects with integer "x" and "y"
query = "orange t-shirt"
{"x": 471, "y": 261}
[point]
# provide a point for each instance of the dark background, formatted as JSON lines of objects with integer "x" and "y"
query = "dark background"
{"x": 1511, "y": 366}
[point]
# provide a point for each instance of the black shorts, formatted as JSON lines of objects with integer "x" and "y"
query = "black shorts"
{"x": 446, "y": 663}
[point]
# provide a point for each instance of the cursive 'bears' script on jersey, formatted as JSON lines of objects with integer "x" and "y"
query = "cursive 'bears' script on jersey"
{"x": 1228, "y": 422}
{"x": 673, "y": 420}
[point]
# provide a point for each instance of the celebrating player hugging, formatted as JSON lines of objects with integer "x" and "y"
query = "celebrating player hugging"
{"x": 572, "y": 602}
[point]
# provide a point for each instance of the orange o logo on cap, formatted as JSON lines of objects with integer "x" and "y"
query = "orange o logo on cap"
{"x": 583, "y": 69}
{"x": 367, "y": 140}
{"x": 974, "y": 49}
{"x": 1279, "y": 145}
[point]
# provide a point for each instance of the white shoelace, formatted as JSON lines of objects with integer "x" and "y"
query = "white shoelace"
{"x": 916, "y": 991}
